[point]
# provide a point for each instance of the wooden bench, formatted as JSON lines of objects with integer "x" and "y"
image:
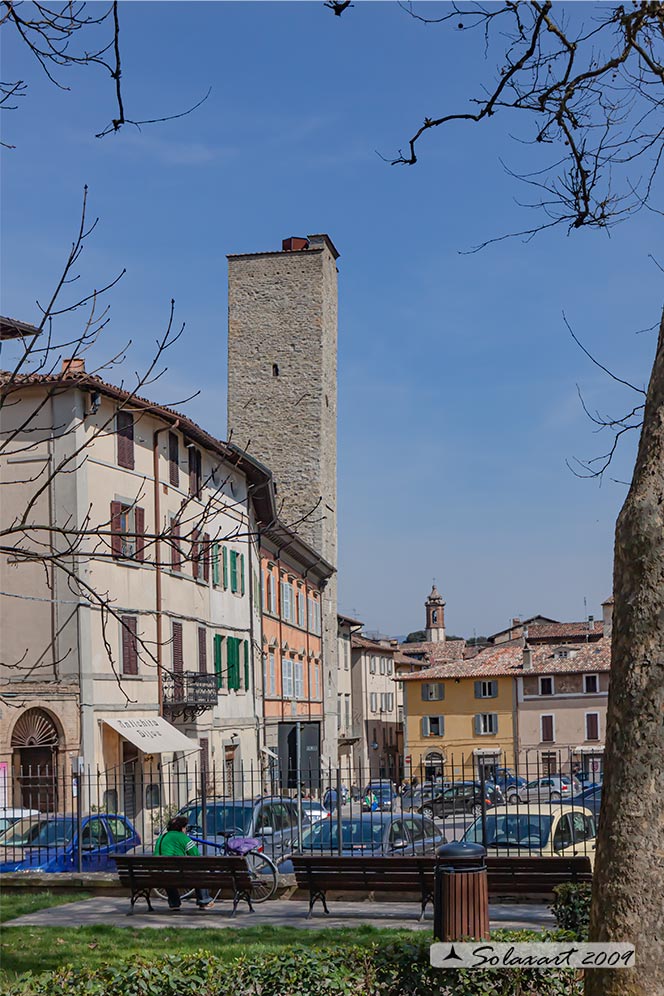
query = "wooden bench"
{"x": 395, "y": 875}
{"x": 403, "y": 874}
{"x": 143, "y": 872}
{"x": 510, "y": 876}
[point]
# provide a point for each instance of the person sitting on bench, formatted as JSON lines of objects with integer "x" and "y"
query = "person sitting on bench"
{"x": 174, "y": 842}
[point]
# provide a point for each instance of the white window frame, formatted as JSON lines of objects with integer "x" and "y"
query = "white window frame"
{"x": 301, "y": 609}
{"x": 272, "y": 673}
{"x": 373, "y": 701}
{"x": 286, "y": 678}
{"x": 426, "y": 721}
{"x": 390, "y": 701}
{"x": 597, "y": 739}
{"x": 486, "y": 685}
{"x": 382, "y": 665}
{"x": 543, "y": 716}
{"x": 585, "y": 678}
{"x": 372, "y": 664}
{"x": 547, "y": 677}
{"x": 492, "y": 717}
{"x": 390, "y": 665}
{"x": 430, "y": 685}
{"x": 286, "y": 601}
{"x": 299, "y": 679}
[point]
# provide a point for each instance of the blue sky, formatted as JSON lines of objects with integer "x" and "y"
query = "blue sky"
{"x": 457, "y": 378}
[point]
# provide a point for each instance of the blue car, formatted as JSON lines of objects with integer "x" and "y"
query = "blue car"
{"x": 50, "y": 844}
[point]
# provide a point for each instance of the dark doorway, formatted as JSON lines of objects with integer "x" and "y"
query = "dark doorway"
{"x": 310, "y": 755}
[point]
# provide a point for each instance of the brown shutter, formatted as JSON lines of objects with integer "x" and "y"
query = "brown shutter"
{"x": 173, "y": 459}
{"x": 125, "y": 434}
{"x": 139, "y": 519}
{"x": 592, "y": 726}
{"x": 116, "y": 529}
{"x": 195, "y": 553}
{"x": 202, "y": 649}
{"x": 176, "y": 552}
{"x": 547, "y": 729}
{"x": 206, "y": 557}
{"x": 129, "y": 645}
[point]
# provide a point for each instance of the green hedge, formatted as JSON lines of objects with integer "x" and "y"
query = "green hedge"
{"x": 571, "y": 908}
{"x": 397, "y": 969}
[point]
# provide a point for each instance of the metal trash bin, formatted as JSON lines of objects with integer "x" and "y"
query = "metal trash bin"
{"x": 461, "y": 892}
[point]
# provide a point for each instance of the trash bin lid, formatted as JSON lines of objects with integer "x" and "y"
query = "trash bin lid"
{"x": 462, "y": 853}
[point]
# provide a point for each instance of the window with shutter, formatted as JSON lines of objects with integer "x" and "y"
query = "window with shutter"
{"x": 224, "y": 567}
{"x": 178, "y": 663}
{"x": 215, "y": 565}
{"x": 139, "y": 522}
{"x": 202, "y": 650}
{"x": 246, "y": 666}
{"x": 173, "y": 459}
{"x": 195, "y": 474}
{"x": 116, "y": 528}
{"x": 176, "y": 551}
{"x": 287, "y": 679}
{"x": 425, "y": 726}
{"x": 234, "y": 572}
{"x": 546, "y": 723}
{"x": 299, "y": 680}
{"x": 218, "y": 666}
{"x": 242, "y": 574}
{"x": 592, "y": 726}
{"x": 195, "y": 554}
{"x": 124, "y": 429}
{"x": 206, "y": 558}
{"x": 233, "y": 661}
{"x": 129, "y": 626}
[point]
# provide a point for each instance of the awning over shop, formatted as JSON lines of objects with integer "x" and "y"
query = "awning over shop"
{"x": 151, "y": 734}
{"x": 589, "y": 750}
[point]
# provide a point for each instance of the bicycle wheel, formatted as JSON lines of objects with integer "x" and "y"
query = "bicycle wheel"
{"x": 264, "y": 876}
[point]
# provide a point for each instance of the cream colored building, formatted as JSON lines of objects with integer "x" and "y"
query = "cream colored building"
{"x": 377, "y": 708}
{"x": 349, "y": 729}
{"x": 141, "y": 646}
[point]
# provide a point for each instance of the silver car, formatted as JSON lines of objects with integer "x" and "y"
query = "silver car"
{"x": 550, "y": 788}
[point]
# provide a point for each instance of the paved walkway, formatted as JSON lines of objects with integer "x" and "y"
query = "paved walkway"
{"x": 114, "y": 912}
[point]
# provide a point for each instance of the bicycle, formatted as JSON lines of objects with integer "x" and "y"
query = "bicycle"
{"x": 263, "y": 870}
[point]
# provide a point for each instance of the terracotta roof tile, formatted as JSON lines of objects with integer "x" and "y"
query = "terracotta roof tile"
{"x": 507, "y": 660}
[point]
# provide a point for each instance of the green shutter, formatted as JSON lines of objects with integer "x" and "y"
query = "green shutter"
{"x": 242, "y": 574}
{"x": 215, "y": 564}
{"x": 246, "y": 665}
{"x": 233, "y": 571}
{"x": 218, "y": 666}
{"x": 233, "y": 656}
{"x": 224, "y": 566}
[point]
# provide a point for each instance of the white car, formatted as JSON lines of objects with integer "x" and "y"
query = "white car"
{"x": 314, "y": 811}
{"x": 8, "y": 816}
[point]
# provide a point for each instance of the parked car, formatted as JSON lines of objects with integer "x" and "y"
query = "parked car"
{"x": 313, "y": 810}
{"x": 542, "y": 831}
{"x": 273, "y": 819}
{"x": 50, "y": 844}
{"x": 460, "y": 798}
{"x": 385, "y": 796}
{"x": 379, "y": 834}
{"x": 590, "y": 797}
{"x": 550, "y": 787}
{"x": 379, "y": 784}
{"x": 10, "y": 816}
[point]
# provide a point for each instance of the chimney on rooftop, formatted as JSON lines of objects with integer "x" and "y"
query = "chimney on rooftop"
{"x": 294, "y": 244}
{"x": 527, "y": 658}
{"x": 74, "y": 365}
{"x": 607, "y": 617}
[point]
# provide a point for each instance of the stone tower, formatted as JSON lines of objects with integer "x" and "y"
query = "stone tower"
{"x": 435, "y": 607}
{"x": 282, "y": 401}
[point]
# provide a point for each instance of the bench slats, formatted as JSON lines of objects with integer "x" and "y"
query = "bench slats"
{"x": 141, "y": 873}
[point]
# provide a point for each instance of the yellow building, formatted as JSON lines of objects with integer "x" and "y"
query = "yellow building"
{"x": 460, "y": 717}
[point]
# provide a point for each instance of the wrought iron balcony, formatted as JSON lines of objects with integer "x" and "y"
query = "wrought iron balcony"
{"x": 189, "y": 693}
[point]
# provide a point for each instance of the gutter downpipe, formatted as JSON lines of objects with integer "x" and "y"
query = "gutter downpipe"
{"x": 157, "y": 558}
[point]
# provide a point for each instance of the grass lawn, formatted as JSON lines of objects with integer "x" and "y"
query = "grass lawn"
{"x": 13, "y": 904}
{"x": 41, "y": 949}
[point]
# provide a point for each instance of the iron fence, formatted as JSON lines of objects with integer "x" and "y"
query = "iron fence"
{"x": 75, "y": 820}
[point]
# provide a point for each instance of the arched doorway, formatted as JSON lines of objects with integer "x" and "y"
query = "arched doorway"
{"x": 433, "y": 766}
{"x": 35, "y": 742}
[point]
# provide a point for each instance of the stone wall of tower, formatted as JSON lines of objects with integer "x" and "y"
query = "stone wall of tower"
{"x": 282, "y": 402}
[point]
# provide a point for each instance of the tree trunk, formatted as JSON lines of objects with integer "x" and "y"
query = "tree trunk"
{"x": 628, "y": 889}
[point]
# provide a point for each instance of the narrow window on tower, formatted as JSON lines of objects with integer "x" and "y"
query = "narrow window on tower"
{"x": 275, "y": 369}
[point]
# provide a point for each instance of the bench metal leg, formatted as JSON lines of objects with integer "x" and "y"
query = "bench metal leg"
{"x": 425, "y": 902}
{"x": 241, "y": 894}
{"x": 312, "y": 900}
{"x": 144, "y": 894}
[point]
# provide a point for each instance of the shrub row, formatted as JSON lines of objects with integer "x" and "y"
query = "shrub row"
{"x": 571, "y": 908}
{"x": 395, "y": 969}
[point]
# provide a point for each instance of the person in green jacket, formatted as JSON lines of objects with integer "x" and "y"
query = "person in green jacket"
{"x": 174, "y": 842}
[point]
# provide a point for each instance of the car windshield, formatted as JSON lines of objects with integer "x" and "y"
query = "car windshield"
{"x": 220, "y": 816}
{"x": 43, "y": 833}
{"x": 354, "y": 833}
{"x": 512, "y": 830}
